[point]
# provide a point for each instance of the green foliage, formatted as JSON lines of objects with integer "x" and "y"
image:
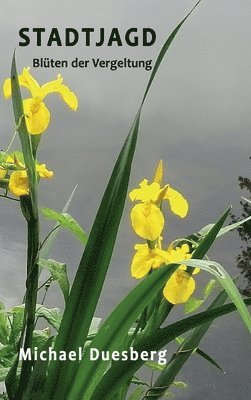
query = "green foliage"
{"x": 50, "y": 238}
{"x": 225, "y": 280}
{"x": 137, "y": 394}
{"x": 66, "y": 221}
{"x": 58, "y": 273}
{"x": 4, "y": 328}
{"x": 52, "y": 315}
{"x": 192, "y": 304}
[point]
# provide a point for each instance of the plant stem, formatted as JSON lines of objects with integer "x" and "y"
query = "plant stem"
{"x": 31, "y": 288}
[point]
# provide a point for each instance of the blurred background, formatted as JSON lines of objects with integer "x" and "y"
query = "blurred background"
{"x": 196, "y": 118}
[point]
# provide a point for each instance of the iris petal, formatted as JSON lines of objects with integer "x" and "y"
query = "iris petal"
{"x": 37, "y": 116}
{"x": 146, "y": 259}
{"x": 18, "y": 184}
{"x": 178, "y": 203}
{"x": 146, "y": 192}
{"x": 179, "y": 287}
{"x": 57, "y": 86}
{"x": 147, "y": 220}
{"x": 26, "y": 80}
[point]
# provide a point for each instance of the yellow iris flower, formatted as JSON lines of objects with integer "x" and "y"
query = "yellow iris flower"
{"x": 181, "y": 285}
{"x": 37, "y": 115}
{"x": 146, "y": 259}
{"x": 18, "y": 182}
{"x": 146, "y": 217}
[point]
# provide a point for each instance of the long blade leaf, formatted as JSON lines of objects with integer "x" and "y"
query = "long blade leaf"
{"x": 225, "y": 280}
{"x": 94, "y": 264}
{"x": 92, "y": 270}
{"x": 168, "y": 375}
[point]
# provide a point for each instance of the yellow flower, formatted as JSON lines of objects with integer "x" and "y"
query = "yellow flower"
{"x": 147, "y": 220}
{"x": 146, "y": 192}
{"x": 146, "y": 259}
{"x": 180, "y": 285}
{"x": 18, "y": 183}
{"x": 178, "y": 203}
{"x": 43, "y": 171}
{"x": 158, "y": 176}
{"x": 37, "y": 115}
{"x": 153, "y": 192}
{"x": 3, "y": 172}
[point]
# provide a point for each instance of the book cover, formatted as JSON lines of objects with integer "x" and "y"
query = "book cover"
{"x": 125, "y": 138}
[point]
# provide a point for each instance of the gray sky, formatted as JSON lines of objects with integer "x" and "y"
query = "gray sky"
{"x": 196, "y": 118}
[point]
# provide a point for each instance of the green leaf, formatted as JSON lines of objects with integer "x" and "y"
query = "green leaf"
{"x": 137, "y": 394}
{"x": 187, "y": 348}
{"x": 180, "y": 384}
{"x": 95, "y": 261}
{"x": 40, "y": 338}
{"x": 48, "y": 242}
{"x": 137, "y": 381}
{"x": 35, "y": 386}
{"x": 58, "y": 272}
{"x": 225, "y": 280}
{"x": 4, "y": 372}
{"x": 192, "y": 304}
{"x": 17, "y": 323}
{"x": 92, "y": 270}
{"x": 204, "y": 231}
{"x": 95, "y": 324}
{"x": 7, "y": 355}
{"x": 208, "y": 358}
{"x": 115, "y": 376}
{"x": 210, "y": 286}
{"x": 52, "y": 315}
{"x": 180, "y": 340}
{"x": 154, "y": 365}
{"x": 67, "y": 222}
{"x": 4, "y": 325}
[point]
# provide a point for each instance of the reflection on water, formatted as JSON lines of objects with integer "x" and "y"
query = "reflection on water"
{"x": 244, "y": 258}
